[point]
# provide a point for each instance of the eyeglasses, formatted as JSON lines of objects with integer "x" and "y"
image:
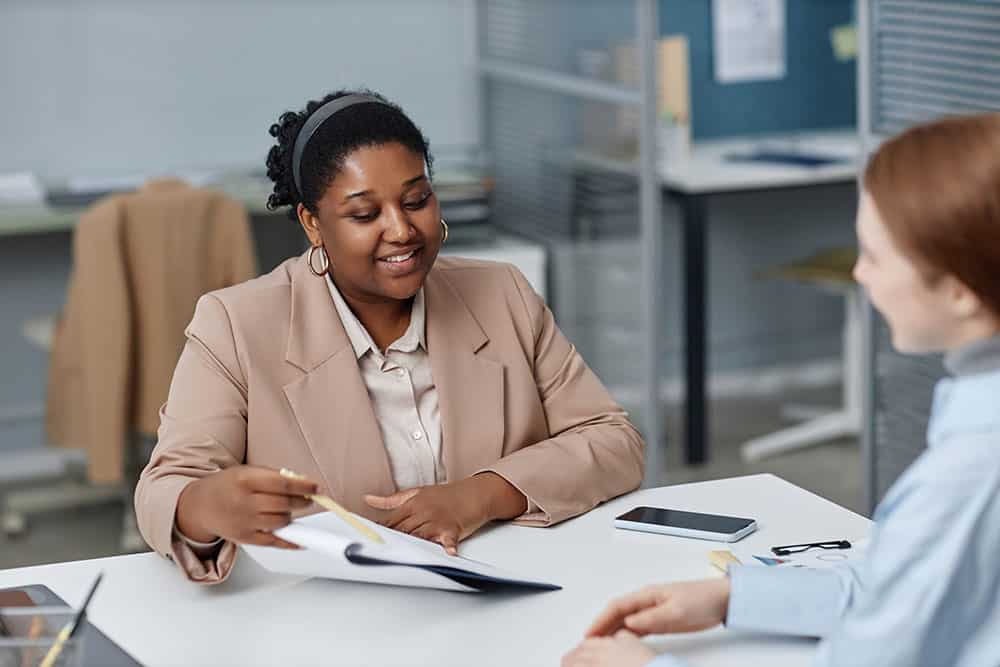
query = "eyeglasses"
{"x": 790, "y": 549}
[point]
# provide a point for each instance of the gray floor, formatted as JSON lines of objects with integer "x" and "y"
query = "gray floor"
{"x": 832, "y": 470}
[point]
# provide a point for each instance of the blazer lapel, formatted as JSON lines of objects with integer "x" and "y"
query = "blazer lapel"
{"x": 330, "y": 401}
{"x": 470, "y": 386}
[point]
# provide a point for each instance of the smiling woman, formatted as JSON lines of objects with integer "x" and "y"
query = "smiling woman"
{"x": 432, "y": 395}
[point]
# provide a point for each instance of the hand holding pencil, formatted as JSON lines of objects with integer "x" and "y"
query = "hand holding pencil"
{"x": 244, "y": 504}
{"x": 329, "y": 504}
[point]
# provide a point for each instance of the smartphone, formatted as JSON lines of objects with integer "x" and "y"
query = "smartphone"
{"x": 686, "y": 524}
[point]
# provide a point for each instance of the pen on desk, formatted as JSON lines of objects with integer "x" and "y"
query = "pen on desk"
{"x": 70, "y": 628}
{"x": 328, "y": 503}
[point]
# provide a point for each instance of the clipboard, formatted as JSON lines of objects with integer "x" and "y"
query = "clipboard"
{"x": 332, "y": 549}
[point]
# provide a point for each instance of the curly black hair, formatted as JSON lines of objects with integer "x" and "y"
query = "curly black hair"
{"x": 365, "y": 124}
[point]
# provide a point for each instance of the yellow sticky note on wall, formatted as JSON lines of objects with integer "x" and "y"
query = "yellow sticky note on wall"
{"x": 844, "y": 39}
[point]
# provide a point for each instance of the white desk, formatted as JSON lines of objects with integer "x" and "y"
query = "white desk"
{"x": 257, "y": 618}
{"x": 707, "y": 172}
{"x": 527, "y": 256}
{"x": 707, "y": 169}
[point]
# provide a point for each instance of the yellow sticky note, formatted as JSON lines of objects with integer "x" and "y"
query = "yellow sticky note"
{"x": 844, "y": 39}
{"x": 723, "y": 559}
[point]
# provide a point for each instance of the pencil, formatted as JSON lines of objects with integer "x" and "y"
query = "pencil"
{"x": 328, "y": 503}
{"x": 70, "y": 628}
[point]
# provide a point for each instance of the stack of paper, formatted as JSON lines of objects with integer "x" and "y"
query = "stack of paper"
{"x": 21, "y": 188}
{"x": 334, "y": 550}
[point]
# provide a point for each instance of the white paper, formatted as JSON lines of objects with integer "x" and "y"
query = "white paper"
{"x": 325, "y": 538}
{"x": 748, "y": 38}
{"x": 21, "y": 187}
{"x": 123, "y": 182}
{"x": 117, "y": 182}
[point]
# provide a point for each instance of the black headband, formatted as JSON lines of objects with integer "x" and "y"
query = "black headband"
{"x": 312, "y": 124}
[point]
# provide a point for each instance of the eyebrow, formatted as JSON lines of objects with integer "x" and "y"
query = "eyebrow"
{"x": 354, "y": 195}
{"x": 406, "y": 184}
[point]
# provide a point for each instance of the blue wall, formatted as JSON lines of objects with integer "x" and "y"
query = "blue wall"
{"x": 817, "y": 91}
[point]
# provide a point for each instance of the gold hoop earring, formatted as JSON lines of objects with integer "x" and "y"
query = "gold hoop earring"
{"x": 324, "y": 261}
{"x": 445, "y": 225}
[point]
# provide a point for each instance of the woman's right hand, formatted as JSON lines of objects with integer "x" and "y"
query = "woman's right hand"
{"x": 243, "y": 504}
{"x": 682, "y": 607}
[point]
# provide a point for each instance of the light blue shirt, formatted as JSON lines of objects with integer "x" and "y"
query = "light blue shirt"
{"x": 928, "y": 593}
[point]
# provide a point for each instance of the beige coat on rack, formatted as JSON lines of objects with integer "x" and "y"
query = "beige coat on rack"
{"x": 140, "y": 262}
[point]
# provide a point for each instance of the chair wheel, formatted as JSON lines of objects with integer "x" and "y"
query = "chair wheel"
{"x": 14, "y": 524}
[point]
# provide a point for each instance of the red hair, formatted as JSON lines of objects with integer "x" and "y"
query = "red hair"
{"x": 937, "y": 189}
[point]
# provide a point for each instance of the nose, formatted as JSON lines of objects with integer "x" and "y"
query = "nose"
{"x": 397, "y": 226}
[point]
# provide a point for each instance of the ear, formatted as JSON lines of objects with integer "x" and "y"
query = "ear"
{"x": 964, "y": 302}
{"x": 310, "y": 224}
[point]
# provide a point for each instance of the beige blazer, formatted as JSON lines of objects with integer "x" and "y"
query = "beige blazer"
{"x": 268, "y": 377}
{"x": 140, "y": 262}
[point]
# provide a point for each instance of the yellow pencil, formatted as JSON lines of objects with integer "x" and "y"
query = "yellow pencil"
{"x": 53, "y": 653}
{"x": 69, "y": 630}
{"x": 328, "y": 503}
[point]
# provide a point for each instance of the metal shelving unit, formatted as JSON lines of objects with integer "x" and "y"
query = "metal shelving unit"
{"x": 528, "y": 86}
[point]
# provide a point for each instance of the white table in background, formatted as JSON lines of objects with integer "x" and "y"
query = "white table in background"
{"x": 708, "y": 171}
{"x": 528, "y": 256}
{"x": 258, "y": 618}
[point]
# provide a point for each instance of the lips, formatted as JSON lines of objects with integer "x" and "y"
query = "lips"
{"x": 401, "y": 263}
{"x": 396, "y": 259}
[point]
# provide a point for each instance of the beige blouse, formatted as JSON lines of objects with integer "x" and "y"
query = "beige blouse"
{"x": 403, "y": 395}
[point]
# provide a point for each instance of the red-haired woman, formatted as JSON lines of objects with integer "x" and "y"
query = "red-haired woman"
{"x": 928, "y": 592}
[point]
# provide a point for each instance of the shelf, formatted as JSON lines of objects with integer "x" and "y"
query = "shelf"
{"x": 537, "y": 77}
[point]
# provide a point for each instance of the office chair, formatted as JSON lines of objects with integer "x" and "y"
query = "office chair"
{"x": 829, "y": 270}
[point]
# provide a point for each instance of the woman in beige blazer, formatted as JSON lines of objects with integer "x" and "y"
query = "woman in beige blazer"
{"x": 432, "y": 395}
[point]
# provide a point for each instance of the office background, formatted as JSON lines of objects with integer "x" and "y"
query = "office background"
{"x": 113, "y": 87}
{"x": 137, "y": 89}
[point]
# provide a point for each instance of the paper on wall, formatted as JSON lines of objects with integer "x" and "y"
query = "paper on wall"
{"x": 748, "y": 40}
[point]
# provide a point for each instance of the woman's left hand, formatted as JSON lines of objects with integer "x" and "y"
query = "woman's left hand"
{"x": 449, "y": 513}
{"x": 624, "y": 649}
{"x": 443, "y": 513}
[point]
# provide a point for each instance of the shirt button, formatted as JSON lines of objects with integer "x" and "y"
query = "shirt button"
{"x": 417, "y": 435}
{"x": 400, "y": 372}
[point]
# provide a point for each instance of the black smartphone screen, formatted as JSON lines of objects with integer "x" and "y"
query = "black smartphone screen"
{"x": 711, "y": 523}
